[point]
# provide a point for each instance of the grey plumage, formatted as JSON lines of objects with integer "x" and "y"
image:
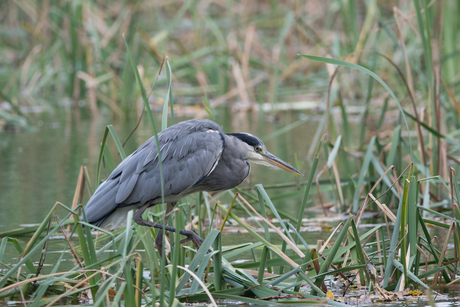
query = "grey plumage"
{"x": 196, "y": 156}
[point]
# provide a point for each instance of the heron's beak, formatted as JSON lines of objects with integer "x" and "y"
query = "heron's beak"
{"x": 277, "y": 162}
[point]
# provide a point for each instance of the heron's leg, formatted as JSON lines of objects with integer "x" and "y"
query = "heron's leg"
{"x": 196, "y": 240}
{"x": 191, "y": 236}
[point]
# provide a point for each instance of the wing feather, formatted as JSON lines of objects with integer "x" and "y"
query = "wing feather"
{"x": 126, "y": 187}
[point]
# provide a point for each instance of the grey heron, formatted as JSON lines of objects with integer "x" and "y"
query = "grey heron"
{"x": 196, "y": 155}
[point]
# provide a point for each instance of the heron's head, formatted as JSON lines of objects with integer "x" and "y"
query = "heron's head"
{"x": 256, "y": 152}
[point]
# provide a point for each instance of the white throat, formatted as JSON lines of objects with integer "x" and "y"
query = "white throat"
{"x": 259, "y": 159}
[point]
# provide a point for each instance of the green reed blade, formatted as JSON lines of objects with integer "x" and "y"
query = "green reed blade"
{"x": 168, "y": 99}
{"x": 308, "y": 186}
{"x": 393, "y": 246}
{"x": 175, "y": 260}
{"x": 334, "y": 151}
{"x": 263, "y": 262}
{"x": 117, "y": 141}
{"x": 362, "y": 173}
{"x": 440, "y": 214}
{"x": 360, "y": 253}
{"x": 267, "y": 199}
{"x": 412, "y": 215}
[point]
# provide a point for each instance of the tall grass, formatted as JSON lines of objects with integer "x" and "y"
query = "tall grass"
{"x": 402, "y": 165}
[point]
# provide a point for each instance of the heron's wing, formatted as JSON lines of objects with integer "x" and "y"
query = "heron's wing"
{"x": 185, "y": 161}
{"x": 188, "y": 153}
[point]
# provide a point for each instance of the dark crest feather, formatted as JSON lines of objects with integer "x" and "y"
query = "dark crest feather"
{"x": 247, "y": 138}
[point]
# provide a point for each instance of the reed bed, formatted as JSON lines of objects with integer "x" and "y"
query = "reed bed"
{"x": 398, "y": 66}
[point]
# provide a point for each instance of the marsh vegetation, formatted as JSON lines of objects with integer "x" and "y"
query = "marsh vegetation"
{"x": 361, "y": 96}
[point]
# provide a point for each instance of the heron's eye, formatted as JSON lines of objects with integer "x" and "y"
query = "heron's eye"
{"x": 258, "y": 148}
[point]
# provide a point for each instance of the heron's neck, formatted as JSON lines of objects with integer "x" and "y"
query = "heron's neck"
{"x": 236, "y": 148}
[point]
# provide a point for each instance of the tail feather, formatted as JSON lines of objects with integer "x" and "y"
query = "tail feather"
{"x": 102, "y": 204}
